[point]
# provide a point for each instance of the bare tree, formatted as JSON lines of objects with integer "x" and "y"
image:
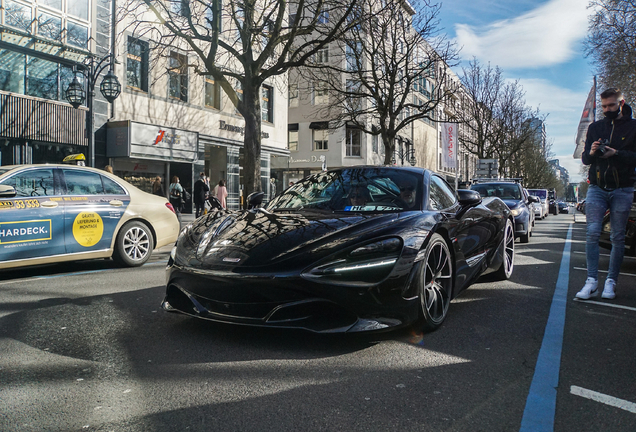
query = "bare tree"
{"x": 387, "y": 72}
{"x": 611, "y": 42}
{"x": 241, "y": 44}
{"x": 494, "y": 117}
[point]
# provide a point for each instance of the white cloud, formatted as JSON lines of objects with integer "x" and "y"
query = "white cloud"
{"x": 545, "y": 36}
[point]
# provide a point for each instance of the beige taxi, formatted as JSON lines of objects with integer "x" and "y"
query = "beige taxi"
{"x": 56, "y": 213}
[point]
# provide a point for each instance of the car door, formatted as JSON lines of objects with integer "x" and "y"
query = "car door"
{"x": 32, "y": 219}
{"x": 93, "y": 205}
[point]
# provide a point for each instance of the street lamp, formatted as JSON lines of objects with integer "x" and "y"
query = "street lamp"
{"x": 76, "y": 95}
{"x": 404, "y": 155}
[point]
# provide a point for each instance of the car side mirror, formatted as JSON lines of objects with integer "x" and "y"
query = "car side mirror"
{"x": 468, "y": 198}
{"x": 7, "y": 191}
{"x": 533, "y": 199}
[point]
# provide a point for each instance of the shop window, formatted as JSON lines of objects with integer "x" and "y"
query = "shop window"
{"x": 137, "y": 64}
{"x": 17, "y": 15}
{"x": 267, "y": 104}
{"x": 41, "y": 78}
{"x": 321, "y": 139}
{"x": 293, "y": 140}
{"x": 212, "y": 94}
{"x": 12, "y": 71}
{"x": 353, "y": 138}
{"x": 178, "y": 76}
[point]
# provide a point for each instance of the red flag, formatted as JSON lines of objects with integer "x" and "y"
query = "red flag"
{"x": 587, "y": 118}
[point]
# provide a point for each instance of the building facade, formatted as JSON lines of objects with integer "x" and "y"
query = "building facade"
{"x": 43, "y": 42}
{"x": 170, "y": 121}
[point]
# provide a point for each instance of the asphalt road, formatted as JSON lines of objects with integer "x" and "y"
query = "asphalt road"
{"x": 85, "y": 346}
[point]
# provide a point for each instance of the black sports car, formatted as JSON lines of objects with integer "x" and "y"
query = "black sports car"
{"x": 347, "y": 250}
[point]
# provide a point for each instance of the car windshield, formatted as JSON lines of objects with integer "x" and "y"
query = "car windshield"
{"x": 504, "y": 191}
{"x": 541, "y": 193}
{"x": 354, "y": 189}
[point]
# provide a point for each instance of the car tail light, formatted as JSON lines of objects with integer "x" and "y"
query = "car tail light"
{"x": 170, "y": 207}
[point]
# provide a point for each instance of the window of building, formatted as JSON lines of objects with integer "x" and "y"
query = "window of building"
{"x": 178, "y": 76}
{"x": 352, "y": 56}
{"x": 212, "y": 14}
{"x": 292, "y": 140}
{"x": 50, "y": 26}
{"x": 374, "y": 143}
{"x": 78, "y": 8}
{"x": 17, "y": 15}
{"x": 42, "y": 78}
{"x": 320, "y": 94}
{"x": 12, "y": 71}
{"x": 354, "y": 102}
{"x": 322, "y": 55}
{"x": 212, "y": 94}
{"x": 323, "y": 17}
{"x": 293, "y": 95}
{"x": 352, "y": 141}
{"x": 137, "y": 64}
{"x": 267, "y": 103}
{"x": 77, "y": 34}
{"x": 180, "y": 7}
{"x": 321, "y": 139}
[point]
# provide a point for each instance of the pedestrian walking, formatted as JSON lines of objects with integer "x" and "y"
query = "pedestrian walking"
{"x": 610, "y": 151}
{"x": 221, "y": 193}
{"x": 157, "y": 187}
{"x": 199, "y": 192}
{"x": 176, "y": 195}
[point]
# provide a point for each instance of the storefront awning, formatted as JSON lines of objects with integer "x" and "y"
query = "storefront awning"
{"x": 319, "y": 125}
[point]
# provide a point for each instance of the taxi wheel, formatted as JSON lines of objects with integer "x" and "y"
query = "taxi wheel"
{"x": 134, "y": 244}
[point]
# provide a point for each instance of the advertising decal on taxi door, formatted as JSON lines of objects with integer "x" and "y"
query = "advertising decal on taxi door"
{"x": 93, "y": 204}
{"x": 32, "y": 222}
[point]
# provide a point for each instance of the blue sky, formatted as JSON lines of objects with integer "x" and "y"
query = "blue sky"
{"x": 539, "y": 42}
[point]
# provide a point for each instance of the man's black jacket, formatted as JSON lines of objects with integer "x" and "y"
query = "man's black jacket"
{"x": 615, "y": 171}
{"x": 200, "y": 188}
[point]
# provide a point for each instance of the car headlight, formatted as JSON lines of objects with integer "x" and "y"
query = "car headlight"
{"x": 515, "y": 212}
{"x": 366, "y": 264}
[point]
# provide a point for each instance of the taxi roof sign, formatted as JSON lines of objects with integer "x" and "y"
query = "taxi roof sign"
{"x": 75, "y": 159}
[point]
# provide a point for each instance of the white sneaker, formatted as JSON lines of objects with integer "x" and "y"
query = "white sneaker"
{"x": 608, "y": 290}
{"x": 590, "y": 289}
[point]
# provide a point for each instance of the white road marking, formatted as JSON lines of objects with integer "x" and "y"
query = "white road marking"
{"x": 603, "y": 398}
{"x": 605, "y": 271}
{"x": 624, "y": 258}
{"x": 606, "y": 304}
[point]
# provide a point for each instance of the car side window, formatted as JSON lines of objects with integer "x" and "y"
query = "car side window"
{"x": 112, "y": 188}
{"x": 441, "y": 196}
{"x": 32, "y": 183}
{"x": 83, "y": 183}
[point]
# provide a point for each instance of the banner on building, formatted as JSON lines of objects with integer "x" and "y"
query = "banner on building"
{"x": 587, "y": 118}
{"x": 449, "y": 145}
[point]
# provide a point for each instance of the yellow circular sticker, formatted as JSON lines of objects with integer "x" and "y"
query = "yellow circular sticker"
{"x": 88, "y": 228}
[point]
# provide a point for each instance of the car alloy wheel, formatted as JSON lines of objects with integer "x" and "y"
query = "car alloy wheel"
{"x": 508, "y": 260}
{"x": 436, "y": 282}
{"x": 134, "y": 244}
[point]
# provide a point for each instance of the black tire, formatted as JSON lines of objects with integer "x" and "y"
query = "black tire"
{"x": 435, "y": 283}
{"x": 508, "y": 260}
{"x": 525, "y": 238}
{"x": 134, "y": 244}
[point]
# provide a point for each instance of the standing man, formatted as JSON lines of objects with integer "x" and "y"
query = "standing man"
{"x": 199, "y": 191}
{"x": 610, "y": 150}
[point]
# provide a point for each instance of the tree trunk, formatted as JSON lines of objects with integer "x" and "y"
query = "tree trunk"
{"x": 252, "y": 142}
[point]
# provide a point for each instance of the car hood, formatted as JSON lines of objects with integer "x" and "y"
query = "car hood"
{"x": 512, "y": 203}
{"x": 261, "y": 238}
